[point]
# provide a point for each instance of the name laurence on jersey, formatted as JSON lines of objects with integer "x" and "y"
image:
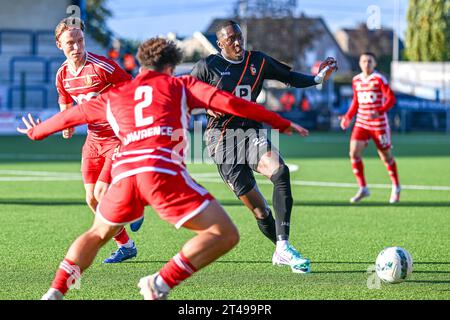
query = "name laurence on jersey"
{"x": 97, "y": 76}
{"x": 150, "y": 117}
{"x": 371, "y": 94}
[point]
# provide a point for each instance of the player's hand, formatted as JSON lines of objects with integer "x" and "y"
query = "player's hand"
{"x": 30, "y": 123}
{"x": 295, "y": 128}
{"x": 345, "y": 123}
{"x": 332, "y": 64}
{"x": 68, "y": 133}
{"x": 214, "y": 114}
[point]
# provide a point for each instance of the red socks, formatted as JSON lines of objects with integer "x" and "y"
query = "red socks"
{"x": 121, "y": 237}
{"x": 176, "y": 270}
{"x": 393, "y": 173}
{"x": 358, "y": 170}
{"x": 66, "y": 276}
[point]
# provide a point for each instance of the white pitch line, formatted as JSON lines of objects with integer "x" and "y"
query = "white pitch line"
{"x": 213, "y": 179}
{"x": 204, "y": 177}
{"x": 39, "y": 173}
{"x": 12, "y": 179}
{"x": 32, "y": 156}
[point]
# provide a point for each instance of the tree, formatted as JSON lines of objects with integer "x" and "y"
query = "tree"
{"x": 428, "y": 35}
{"x": 97, "y": 15}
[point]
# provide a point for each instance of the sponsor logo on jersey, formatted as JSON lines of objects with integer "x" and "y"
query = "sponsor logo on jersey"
{"x": 244, "y": 92}
{"x": 225, "y": 73}
{"x": 252, "y": 70}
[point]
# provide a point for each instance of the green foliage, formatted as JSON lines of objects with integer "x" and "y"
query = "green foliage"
{"x": 428, "y": 34}
{"x": 97, "y": 16}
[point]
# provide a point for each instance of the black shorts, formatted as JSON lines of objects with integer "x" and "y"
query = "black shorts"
{"x": 236, "y": 153}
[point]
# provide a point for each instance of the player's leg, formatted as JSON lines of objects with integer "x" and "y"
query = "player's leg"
{"x": 384, "y": 148}
{"x": 216, "y": 235}
{"x": 358, "y": 143}
{"x": 195, "y": 209}
{"x": 91, "y": 164}
{"x": 230, "y": 156}
{"x": 273, "y": 167}
{"x": 126, "y": 247}
{"x": 79, "y": 257}
{"x": 240, "y": 179}
{"x": 256, "y": 202}
{"x": 120, "y": 206}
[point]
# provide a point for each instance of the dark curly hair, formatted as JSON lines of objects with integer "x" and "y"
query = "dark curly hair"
{"x": 157, "y": 53}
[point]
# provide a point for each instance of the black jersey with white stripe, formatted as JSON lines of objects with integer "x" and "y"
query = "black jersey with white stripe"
{"x": 243, "y": 78}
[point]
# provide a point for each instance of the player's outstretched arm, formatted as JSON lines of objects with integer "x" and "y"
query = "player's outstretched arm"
{"x": 202, "y": 95}
{"x": 89, "y": 112}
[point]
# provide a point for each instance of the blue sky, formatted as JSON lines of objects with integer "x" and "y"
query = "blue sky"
{"x": 141, "y": 19}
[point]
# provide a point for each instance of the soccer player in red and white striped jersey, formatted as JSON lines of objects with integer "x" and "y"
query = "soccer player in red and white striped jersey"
{"x": 150, "y": 116}
{"x": 372, "y": 99}
{"x": 82, "y": 77}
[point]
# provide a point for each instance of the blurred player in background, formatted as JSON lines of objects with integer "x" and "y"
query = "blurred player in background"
{"x": 150, "y": 117}
{"x": 81, "y": 77}
{"x": 242, "y": 73}
{"x": 372, "y": 99}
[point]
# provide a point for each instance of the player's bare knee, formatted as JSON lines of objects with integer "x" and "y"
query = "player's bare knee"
{"x": 230, "y": 238}
{"x": 103, "y": 233}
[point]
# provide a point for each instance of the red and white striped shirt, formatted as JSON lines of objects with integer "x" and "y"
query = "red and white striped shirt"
{"x": 371, "y": 94}
{"x": 96, "y": 76}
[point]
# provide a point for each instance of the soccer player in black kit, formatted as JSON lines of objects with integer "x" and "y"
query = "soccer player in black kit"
{"x": 238, "y": 146}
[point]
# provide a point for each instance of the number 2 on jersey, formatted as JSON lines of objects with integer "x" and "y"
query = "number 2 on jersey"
{"x": 145, "y": 92}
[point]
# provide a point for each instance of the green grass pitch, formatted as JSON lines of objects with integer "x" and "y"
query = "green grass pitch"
{"x": 42, "y": 210}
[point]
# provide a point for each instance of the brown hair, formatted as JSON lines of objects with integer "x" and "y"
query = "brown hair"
{"x": 368, "y": 53}
{"x": 156, "y": 53}
{"x": 67, "y": 24}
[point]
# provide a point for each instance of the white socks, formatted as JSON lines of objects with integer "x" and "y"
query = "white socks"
{"x": 161, "y": 284}
{"x": 282, "y": 244}
{"x": 127, "y": 245}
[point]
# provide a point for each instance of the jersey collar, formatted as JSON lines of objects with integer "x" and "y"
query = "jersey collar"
{"x": 232, "y": 61}
{"x": 77, "y": 72}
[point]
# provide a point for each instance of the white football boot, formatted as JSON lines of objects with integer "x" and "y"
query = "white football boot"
{"x": 395, "y": 194}
{"x": 149, "y": 288}
{"x": 291, "y": 257}
{"x": 53, "y": 294}
{"x": 361, "y": 194}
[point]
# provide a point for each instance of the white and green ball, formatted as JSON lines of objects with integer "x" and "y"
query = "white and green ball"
{"x": 394, "y": 264}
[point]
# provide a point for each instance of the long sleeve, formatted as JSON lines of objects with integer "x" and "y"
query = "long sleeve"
{"x": 389, "y": 96}
{"x": 353, "y": 107}
{"x": 89, "y": 112}
{"x": 202, "y": 95}
{"x": 227, "y": 103}
{"x": 300, "y": 80}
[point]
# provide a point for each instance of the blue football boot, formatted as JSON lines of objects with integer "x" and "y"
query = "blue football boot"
{"x": 122, "y": 254}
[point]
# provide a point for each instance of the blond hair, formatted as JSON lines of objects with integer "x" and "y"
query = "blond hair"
{"x": 67, "y": 24}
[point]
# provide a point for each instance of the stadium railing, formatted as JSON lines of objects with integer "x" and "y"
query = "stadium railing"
{"x": 24, "y": 92}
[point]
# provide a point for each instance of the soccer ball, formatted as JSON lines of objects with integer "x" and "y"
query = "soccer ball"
{"x": 394, "y": 264}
